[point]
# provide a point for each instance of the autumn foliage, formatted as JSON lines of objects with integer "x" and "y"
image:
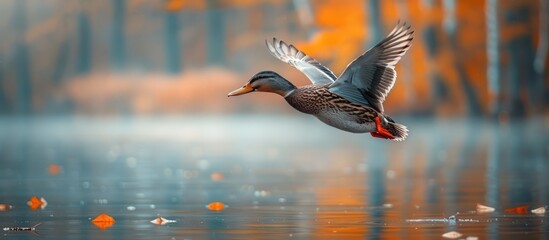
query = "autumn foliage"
{"x": 191, "y": 53}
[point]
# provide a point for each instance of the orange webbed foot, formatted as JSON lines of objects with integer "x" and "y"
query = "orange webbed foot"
{"x": 377, "y": 135}
{"x": 381, "y": 132}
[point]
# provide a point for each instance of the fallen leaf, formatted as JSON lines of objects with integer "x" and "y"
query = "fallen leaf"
{"x": 217, "y": 176}
{"x": 44, "y": 203}
{"x": 103, "y": 221}
{"x": 54, "y": 169}
{"x": 5, "y": 207}
{"x": 216, "y": 206}
{"x": 540, "y": 210}
{"x": 452, "y": 235}
{"x": 162, "y": 221}
{"x": 518, "y": 210}
{"x": 35, "y": 203}
{"x": 484, "y": 209}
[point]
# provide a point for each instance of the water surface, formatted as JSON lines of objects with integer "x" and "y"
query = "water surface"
{"x": 279, "y": 178}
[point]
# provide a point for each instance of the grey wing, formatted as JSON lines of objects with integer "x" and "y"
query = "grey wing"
{"x": 316, "y": 72}
{"x": 373, "y": 74}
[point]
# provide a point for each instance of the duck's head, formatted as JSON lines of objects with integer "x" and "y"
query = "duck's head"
{"x": 266, "y": 81}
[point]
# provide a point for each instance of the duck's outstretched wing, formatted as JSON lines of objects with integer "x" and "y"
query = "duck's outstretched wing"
{"x": 316, "y": 72}
{"x": 369, "y": 78}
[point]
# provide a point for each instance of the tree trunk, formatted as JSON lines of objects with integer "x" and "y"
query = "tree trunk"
{"x": 83, "y": 65}
{"x": 61, "y": 62}
{"x": 215, "y": 40}
{"x": 22, "y": 60}
{"x": 3, "y": 100}
{"x": 173, "y": 47}
{"x": 521, "y": 74}
{"x": 291, "y": 10}
{"x": 118, "y": 42}
{"x": 492, "y": 53}
{"x": 541, "y": 53}
{"x": 450, "y": 26}
{"x": 376, "y": 32}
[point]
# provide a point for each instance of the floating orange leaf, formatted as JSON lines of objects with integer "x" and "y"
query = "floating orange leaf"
{"x": 518, "y": 210}
{"x": 103, "y": 221}
{"x": 35, "y": 203}
{"x": 5, "y": 207}
{"x": 162, "y": 221}
{"x": 216, "y": 206}
{"x": 54, "y": 169}
{"x": 484, "y": 209}
{"x": 217, "y": 176}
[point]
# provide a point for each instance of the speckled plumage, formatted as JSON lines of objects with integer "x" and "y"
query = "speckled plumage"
{"x": 332, "y": 109}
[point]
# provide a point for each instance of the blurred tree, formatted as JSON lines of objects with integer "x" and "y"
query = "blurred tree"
{"x": 215, "y": 39}
{"x": 492, "y": 53}
{"x": 543, "y": 47}
{"x": 291, "y": 25}
{"x": 83, "y": 65}
{"x": 473, "y": 103}
{"x": 269, "y": 17}
{"x": 306, "y": 16}
{"x": 61, "y": 61}
{"x": 374, "y": 11}
{"x": 430, "y": 37}
{"x": 22, "y": 60}
{"x": 4, "y": 106}
{"x": 172, "y": 46}
{"x": 440, "y": 91}
{"x": 541, "y": 53}
{"x": 118, "y": 45}
{"x": 521, "y": 75}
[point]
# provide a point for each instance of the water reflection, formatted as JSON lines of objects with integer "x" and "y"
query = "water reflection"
{"x": 492, "y": 179}
{"x": 277, "y": 182}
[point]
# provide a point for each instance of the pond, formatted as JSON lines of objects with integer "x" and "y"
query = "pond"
{"x": 275, "y": 177}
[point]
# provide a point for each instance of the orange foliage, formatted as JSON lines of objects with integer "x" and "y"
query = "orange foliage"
{"x": 193, "y": 90}
{"x": 341, "y": 35}
{"x": 103, "y": 221}
{"x": 178, "y": 5}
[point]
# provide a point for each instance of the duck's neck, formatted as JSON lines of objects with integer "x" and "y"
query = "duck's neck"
{"x": 283, "y": 87}
{"x": 289, "y": 92}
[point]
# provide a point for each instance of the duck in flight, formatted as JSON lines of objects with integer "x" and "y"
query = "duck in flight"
{"x": 353, "y": 101}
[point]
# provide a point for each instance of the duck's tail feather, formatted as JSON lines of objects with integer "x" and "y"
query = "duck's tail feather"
{"x": 399, "y": 131}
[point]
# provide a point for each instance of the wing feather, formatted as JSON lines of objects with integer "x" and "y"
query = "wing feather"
{"x": 288, "y": 53}
{"x": 373, "y": 74}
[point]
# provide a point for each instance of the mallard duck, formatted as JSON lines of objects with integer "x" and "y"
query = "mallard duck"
{"x": 353, "y": 101}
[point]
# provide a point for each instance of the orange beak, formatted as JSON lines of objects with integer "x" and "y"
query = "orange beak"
{"x": 243, "y": 90}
